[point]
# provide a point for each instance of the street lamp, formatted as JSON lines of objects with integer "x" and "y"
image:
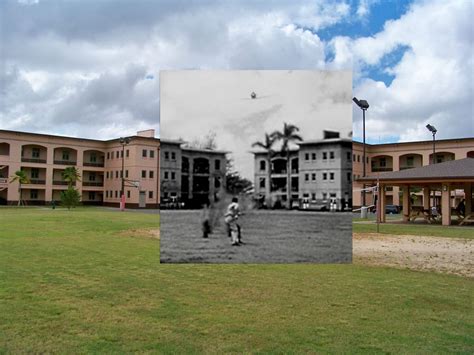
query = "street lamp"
{"x": 433, "y": 130}
{"x": 364, "y": 105}
{"x": 123, "y": 142}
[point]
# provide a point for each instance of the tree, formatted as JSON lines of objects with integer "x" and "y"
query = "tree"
{"x": 234, "y": 183}
{"x": 287, "y": 136}
{"x": 267, "y": 144}
{"x": 22, "y": 178}
{"x": 70, "y": 197}
{"x": 206, "y": 142}
{"x": 71, "y": 175}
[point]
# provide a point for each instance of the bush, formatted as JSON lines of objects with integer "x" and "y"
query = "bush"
{"x": 70, "y": 198}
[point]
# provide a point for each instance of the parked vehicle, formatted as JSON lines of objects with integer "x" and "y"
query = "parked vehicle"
{"x": 392, "y": 209}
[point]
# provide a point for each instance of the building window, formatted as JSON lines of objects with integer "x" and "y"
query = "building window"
{"x": 91, "y": 176}
{"x": 367, "y": 160}
{"x": 126, "y": 173}
{"x": 173, "y": 155}
{"x": 116, "y": 174}
{"x": 313, "y": 196}
{"x": 306, "y": 177}
{"x": 325, "y": 176}
{"x": 353, "y": 157}
{"x": 143, "y": 174}
{"x": 117, "y": 154}
{"x": 35, "y": 152}
{"x": 150, "y": 194}
{"x": 127, "y": 153}
{"x": 217, "y": 165}
{"x": 128, "y": 193}
{"x": 34, "y": 173}
{"x": 306, "y": 156}
{"x": 358, "y": 158}
{"x": 349, "y": 177}
{"x": 108, "y": 155}
{"x": 348, "y": 156}
{"x": 144, "y": 153}
{"x": 262, "y": 165}
{"x": 166, "y": 175}
{"x": 173, "y": 175}
{"x": 262, "y": 183}
{"x": 106, "y": 193}
{"x": 121, "y": 154}
{"x": 331, "y": 155}
{"x": 167, "y": 155}
{"x": 65, "y": 154}
{"x": 313, "y": 156}
{"x": 383, "y": 162}
{"x": 116, "y": 194}
{"x": 325, "y": 195}
{"x": 331, "y": 176}
{"x": 92, "y": 195}
{"x": 313, "y": 176}
{"x": 410, "y": 161}
{"x": 305, "y": 195}
{"x": 150, "y": 174}
{"x": 333, "y": 195}
{"x": 217, "y": 183}
{"x": 33, "y": 194}
{"x": 325, "y": 155}
{"x": 121, "y": 174}
{"x": 107, "y": 175}
{"x": 152, "y": 153}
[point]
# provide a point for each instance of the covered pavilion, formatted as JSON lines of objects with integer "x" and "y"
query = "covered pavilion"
{"x": 445, "y": 177}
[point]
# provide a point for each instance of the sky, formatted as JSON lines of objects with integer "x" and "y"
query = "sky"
{"x": 197, "y": 102}
{"x": 91, "y": 68}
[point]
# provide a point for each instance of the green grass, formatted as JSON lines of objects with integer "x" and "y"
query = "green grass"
{"x": 74, "y": 282}
{"x": 466, "y": 232}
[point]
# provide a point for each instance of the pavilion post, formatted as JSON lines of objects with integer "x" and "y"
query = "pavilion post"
{"x": 383, "y": 202}
{"x": 406, "y": 203}
{"x": 426, "y": 197}
{"x": 468, "y": 197}
{"x": 446, "y": 204}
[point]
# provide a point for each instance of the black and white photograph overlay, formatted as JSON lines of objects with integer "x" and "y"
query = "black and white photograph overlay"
{"x": 256, "y": 166}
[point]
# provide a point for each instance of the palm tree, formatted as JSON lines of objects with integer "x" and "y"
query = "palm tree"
{"x": 22, "y": 178}
{"x": 267, "y": 144}
{"x": 71, "y": 175}
{"x": 287, "y": 136}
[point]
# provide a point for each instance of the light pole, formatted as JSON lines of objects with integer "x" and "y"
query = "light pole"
{"x": 123, "y": 142}
{"x": 364, "y": 105}
{"x": 433, "y": 130}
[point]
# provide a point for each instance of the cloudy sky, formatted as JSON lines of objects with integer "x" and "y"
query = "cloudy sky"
{"x": 196, "y": 102}
{"x": 91, "y": 68}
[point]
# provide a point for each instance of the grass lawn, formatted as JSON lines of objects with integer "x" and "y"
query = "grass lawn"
{"x": 78, "y": 281}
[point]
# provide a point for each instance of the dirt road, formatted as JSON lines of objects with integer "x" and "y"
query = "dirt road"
{"x": 444, "y": 255}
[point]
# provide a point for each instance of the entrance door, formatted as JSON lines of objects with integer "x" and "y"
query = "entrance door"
{"x": 142, "y": 199}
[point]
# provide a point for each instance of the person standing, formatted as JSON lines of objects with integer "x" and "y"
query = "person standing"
{"x": 231, "y": 216}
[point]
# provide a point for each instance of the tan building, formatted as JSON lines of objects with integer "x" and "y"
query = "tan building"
{"x": 320, "y": 173}
{"x": 44, "y": 157}
{"x": 191, "y": 176}
{"x": 400, "y": 156}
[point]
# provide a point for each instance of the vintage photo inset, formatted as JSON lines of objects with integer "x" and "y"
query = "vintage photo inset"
{"x": 256, "y": 166}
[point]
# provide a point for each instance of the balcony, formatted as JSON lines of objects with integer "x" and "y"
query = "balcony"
{"x": 381, "y": 169}
{"x": 37, "y": 182}
{"x": 65, "y": 162}
{"x": 93, "y": 183}
{"x": 94, "y": 164}
{"x": 62, "y": 183}
{"x": 33, "y": 160}
{"x": 3, "y": 180}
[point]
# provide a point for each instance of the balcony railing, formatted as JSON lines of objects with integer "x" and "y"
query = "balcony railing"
{"x": 98, "y": 165}
{"x": 33, "y": 160}
{"x": 62, "y": 182}
{"x": 92, "y": 183}
{"x": 65, "y": 162}
{"x": 3, "y": 180}
{"x": 380, "y": 169}
{"x": 37, "y": 182}
{"x": 409, "y": 167}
